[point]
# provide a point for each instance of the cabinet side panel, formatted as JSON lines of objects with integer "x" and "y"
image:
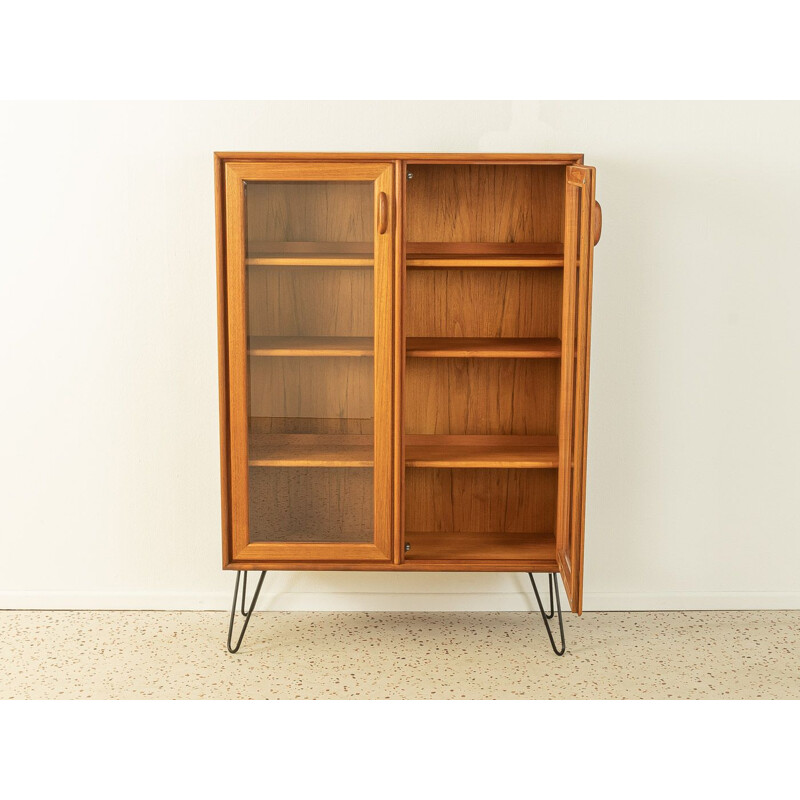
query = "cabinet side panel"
{"x": 222, "y": 348}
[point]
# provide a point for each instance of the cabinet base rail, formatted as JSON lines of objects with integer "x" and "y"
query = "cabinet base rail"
{"x": 248, "y": 612}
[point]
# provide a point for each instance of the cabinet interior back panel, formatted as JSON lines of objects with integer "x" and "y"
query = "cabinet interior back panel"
{"x": 296, "y": 504}
{"x": 481, "y": 500}
{"x": 311, "y": 387}
{"x": 306, "y": 211}
{"x": 309, "y": 301}
{"x": 482, "y": 396}
{"x": 312, "y": 425}
{"x": 485, "y": 203}
{"x": 484, "y": 302}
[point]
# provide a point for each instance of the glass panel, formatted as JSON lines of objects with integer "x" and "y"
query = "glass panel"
{"x": 310, "y": 326}
{"x": 579, "y": 273}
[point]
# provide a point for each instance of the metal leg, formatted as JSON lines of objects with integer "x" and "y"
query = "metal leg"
{"x": 552, "y": 607}
{"x": 246, "y": 614}
{"x": 546, "y": 617}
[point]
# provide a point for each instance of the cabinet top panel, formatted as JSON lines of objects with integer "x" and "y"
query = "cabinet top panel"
{"x": 417, "y": 158}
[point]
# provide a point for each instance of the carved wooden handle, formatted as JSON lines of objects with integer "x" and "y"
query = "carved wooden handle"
{"x": 597, "y": 221}
{"x": 383, "y": 212}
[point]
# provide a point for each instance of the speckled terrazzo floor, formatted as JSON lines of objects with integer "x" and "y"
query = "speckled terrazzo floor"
{"x": 172, "y": 655}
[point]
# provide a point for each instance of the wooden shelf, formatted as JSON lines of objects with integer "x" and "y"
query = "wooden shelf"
{"x": 356, "y": 450}
{"x": 310, "y": 254}
{"x": 462, "y": 347}
{"x": 310, "y": 450}
{"x": 310, "y": 346}
{"x": 308, "y": 261}
{"x": 499, "y": 546}
{"x": 498, "y": 452}
{"x": 515, "y": 255}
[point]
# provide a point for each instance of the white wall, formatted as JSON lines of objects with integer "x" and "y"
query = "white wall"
{"x": 110, "y": 490}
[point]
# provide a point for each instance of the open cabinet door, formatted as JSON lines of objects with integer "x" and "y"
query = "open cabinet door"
{"x": 581, "y": 229}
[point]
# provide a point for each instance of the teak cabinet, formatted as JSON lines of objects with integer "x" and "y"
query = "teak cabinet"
{"x": 403, "y": 360}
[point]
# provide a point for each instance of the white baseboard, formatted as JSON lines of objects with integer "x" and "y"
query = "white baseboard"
{"x": 397, "y": 601}
{"x": 691, "y": 601}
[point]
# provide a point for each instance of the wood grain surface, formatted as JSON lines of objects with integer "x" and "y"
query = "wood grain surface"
{"x": 480, "y": 547}
{"x": 322, "y": 301}
{"x": 426, "y": 385}
{"x": 331, "y": 211}
{"x": 311, "y": 450}
{"x": 485, "y": 203}
{"x": 487, "y": 347}
{"x": 482, "y": 395}
{"x": 484, "y": 303}
{"x": 481, "y": 500}
{"x": 311, "y": 505}
{"x": 526, "y": 452}
{"x": 308, "y": 346}
{"x": 311, "y": 387}
{"x": 443, "y": 255}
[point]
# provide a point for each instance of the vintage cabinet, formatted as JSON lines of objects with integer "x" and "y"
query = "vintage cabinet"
{"x": 403, "y": 361}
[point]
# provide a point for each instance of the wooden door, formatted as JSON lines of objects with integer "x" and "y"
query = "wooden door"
{"x": 581, "y": 217}
{"x": 308, "y": 291}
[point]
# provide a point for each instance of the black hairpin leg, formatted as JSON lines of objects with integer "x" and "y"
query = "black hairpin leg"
{"x": 547, "y": 617}
{"x": 247, "y": 614}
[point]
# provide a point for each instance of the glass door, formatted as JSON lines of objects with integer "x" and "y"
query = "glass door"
{"x": 580, "y": 221}
{"x": 309, "y": 279}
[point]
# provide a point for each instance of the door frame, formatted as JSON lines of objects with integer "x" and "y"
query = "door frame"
{"x": 232, "y": 296}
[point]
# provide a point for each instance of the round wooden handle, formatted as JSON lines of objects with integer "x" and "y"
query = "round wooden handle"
{"x": 383, "y": 212}
{"x": 597, "y": 221}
